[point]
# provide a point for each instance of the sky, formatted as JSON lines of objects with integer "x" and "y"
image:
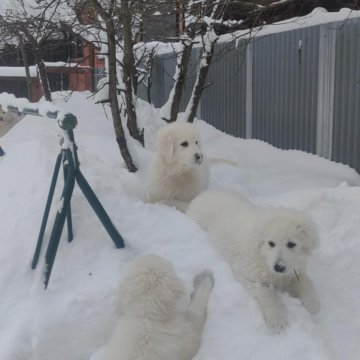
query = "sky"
{"x": 75, "y": 316}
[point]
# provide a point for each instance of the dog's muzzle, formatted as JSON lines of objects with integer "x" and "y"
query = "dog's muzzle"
{"x": 279, "y": 267}
{"x": 198, "y": 158}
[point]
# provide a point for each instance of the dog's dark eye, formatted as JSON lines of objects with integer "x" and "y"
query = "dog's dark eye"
{"x": 271, "y": 243}
{"x": 184, "y": 144}
{"x": 291, "y": 244}
{"x": 196, "y": 142}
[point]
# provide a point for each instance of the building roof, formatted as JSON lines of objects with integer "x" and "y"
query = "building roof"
{"x": 19, "y": 71}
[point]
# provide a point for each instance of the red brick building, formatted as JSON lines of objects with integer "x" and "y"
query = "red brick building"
{"x": 78, "y": 75}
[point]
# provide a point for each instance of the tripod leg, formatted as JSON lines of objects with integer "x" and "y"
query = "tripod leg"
{"x": 69, "y": 219}
{"x": 60, "y": 218}
{"x": 99, "y": 210}
{"x": 46, "y": 212}
{"x": 69, "y": 225}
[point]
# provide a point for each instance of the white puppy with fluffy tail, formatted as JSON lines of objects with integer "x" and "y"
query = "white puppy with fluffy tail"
{"x": 265, "y": 247}
{"x": 179, "y": 170}
{"x": 151, "y": 328}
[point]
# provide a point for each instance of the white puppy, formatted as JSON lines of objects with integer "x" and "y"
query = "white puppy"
{"x": 179, "y": 170}
{"x": 265, "y": 247}
{"x": 151, "y": 328}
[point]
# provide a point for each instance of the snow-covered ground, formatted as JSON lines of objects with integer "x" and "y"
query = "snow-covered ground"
{"x": 74, "y": 317}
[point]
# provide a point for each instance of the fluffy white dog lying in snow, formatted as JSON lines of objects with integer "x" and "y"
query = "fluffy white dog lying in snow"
{"x": 265, "y": 247}
{"x": 151, "y": 328}
{"x": 179, "y": 170}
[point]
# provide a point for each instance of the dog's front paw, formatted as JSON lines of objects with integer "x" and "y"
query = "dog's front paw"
{"x": 205, "y": 279}
{"x": 276, "y": 320}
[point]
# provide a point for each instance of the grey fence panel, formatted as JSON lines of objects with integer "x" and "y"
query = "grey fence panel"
{"x": 142, "y": 91}
{"x": 223, "y": 103}
{"x": 169, "y": 65}
{"x": 163, "y": 79}
{"x": 285, "y": 75}
{"x": 298, "y": 89}
{"x": 346, "y": 131}
{"x": 157, "y": 87}
{"x": 169, "y": 71}
{"x": 157, "y": 84}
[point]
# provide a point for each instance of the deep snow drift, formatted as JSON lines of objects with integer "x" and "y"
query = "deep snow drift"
{"x": 73, "y": 319}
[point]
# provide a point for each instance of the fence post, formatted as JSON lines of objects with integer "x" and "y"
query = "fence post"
{"x": 326, "y": 89}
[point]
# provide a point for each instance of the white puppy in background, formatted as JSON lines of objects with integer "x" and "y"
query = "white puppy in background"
{"x": 265, "y": 247}
{"x": 179, "y": 170}
{"x": 151, "y": 328}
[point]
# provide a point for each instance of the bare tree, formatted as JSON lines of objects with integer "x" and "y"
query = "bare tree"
{"x": 208, "y": 39}
{"x": 170, "y": 110}
{"x": 26, "y": 66}
{"x": 203, "y": 21}
{"x": 200, "y": 20}
{"x": 148, "y": 70}
{"x": 33, "y": 23}
{"x": 129, "y": 70}
{"x": 108, "y": 13}
{"x": 9, "y": 48}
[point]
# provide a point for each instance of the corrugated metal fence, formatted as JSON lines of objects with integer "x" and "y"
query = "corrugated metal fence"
{"x": 298, "y": 89}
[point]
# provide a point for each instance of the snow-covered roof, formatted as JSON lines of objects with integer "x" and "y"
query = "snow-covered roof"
{"x": 63, "y": 64}
{"x": 319, "y": 16}
{"x": 16, "y": 71}
{"x": 19, "y": 71}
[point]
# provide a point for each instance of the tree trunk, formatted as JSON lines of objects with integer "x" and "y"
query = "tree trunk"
{"x": 130, "y": 74}
{"x": 113, "y": 96}
{"x": 176, "y": 92}
{"x": 44, "y": 80}
{"x": 27, "y": 70}
{"x": 114, "y": 104}
{"x": 193, "y": 29}
{"x": 199, "y": 84}
{"x": 149, "y": 79}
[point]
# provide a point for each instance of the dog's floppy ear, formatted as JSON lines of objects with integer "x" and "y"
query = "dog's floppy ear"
{"x": 266, "y": 218}
{"x": 166, "y": 144}
{"x": 308, "y": 234}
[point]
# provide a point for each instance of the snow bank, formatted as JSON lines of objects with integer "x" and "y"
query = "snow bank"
{"x": 74, "y": 317}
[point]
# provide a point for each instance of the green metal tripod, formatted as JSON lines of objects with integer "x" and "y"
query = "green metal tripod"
{"x": 68, "y": 158}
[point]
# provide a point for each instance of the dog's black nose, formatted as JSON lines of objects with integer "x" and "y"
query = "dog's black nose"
{"x": 279, "y": 268}
{"x": 198, "y": 157}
